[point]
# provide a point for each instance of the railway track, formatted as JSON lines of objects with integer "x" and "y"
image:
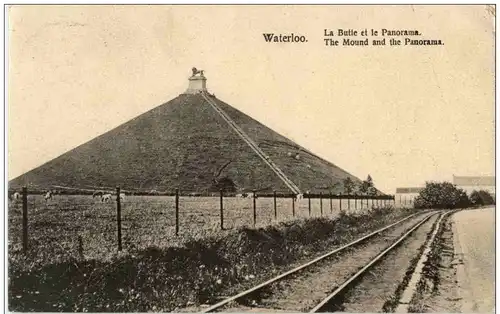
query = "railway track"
{"x": 321, "y": 284}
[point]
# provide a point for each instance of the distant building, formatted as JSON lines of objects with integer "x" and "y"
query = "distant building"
{"x": 470, "y": 184}
{"x": 405, "y": 196}
{"x": 408, "y": 190}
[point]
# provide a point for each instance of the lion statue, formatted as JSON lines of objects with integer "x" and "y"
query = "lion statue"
{"x": 196, "y": 71}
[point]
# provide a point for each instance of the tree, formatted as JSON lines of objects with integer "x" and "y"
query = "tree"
{"x": 441, "y": 195}
{"x": 363, "y": 187}
{"x": 348, "y": 186}
{"x": 356, "y": 187}
{"x": 335, "y": 186}
{"x": 475, "y": 199}
{"x": 481, "y": 197}
{"x": 372, "y": 191}
{"x": 369, "y": 180}
{"x": 367, "y": 188}
{"x": 486, "y": 197}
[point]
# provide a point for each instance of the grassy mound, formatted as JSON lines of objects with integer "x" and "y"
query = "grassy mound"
{"x": 198, "y": 272}
{"x": 185, "y": 144}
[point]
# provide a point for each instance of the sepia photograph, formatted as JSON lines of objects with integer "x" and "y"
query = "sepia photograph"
{"x": 249, "y": 158}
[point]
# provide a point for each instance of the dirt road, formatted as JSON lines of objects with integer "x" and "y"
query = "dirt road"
{"x": 474, "y": 237}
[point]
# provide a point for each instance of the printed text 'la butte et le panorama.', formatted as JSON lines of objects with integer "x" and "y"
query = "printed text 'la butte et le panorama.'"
{"x": 359, "y": 37}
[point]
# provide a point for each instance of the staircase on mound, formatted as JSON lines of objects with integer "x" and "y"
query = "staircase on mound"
{"x": 289, "y": 183}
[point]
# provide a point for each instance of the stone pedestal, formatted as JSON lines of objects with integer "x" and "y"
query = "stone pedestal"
{"x": 197, "y": 84}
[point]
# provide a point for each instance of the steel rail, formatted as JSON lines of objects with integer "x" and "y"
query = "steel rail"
{"x": 343, "y": 286}
{"x": 292, "y": 271}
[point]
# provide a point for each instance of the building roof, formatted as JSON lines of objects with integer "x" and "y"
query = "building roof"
{"x": 474, "y": 181}
{"x": 412, "y": 190}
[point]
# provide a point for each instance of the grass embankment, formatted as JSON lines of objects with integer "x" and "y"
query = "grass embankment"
{"x": 200, "y": 271}
{"x": 391, "y": 304}
{"x": 437, "y": 287}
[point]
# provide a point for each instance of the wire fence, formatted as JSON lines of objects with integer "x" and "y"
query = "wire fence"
{"x": 86, "y": 226}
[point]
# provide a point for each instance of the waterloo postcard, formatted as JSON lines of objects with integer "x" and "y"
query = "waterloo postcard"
{"x": 250, "y": 158}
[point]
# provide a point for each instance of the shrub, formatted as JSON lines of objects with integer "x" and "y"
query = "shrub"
{"x": 481, "y": 197}
{"x": 225, "y": 184}
{"x": 441, "y": 195}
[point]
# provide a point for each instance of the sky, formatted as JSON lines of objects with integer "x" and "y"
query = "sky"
{"x": 403, "y": 114}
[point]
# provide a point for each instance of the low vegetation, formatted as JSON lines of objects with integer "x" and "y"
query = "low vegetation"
{"x": 441, "y": 195}
{"x": 481, "y": 198}
{"x": 437, "y": 288}
{"x": 445, "y": 195}
{"x": 200, "y": 270}
{"x": 391, "y": 305}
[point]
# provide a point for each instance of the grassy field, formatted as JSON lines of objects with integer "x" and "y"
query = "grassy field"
{"x": 54, "y": 227}
{"x": 199, "y": 271}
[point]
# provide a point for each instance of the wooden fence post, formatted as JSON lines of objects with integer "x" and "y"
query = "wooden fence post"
{"x": 254, "y": 209}
{"x": 177, "y": 211}
{"x": 221, "y": 209}
{"x": 340, "y": 203}
{"x": 25, "y": 219}
{"x": 355, "y": 203}
{"x": 119, "y": 218}
{"x": 348, "y": 203}
{"x": 309, "y": 200}
{"x": 275, "y": 211}
{"x": 321, "y": 203}
{"x": 331, "y": 204}
{"x": 293, "y": 206}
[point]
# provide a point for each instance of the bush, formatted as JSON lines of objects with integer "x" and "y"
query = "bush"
{"x": 225, "y": 184}
{"x": 481, "y": 197}
{"x": 441, "y": 195}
